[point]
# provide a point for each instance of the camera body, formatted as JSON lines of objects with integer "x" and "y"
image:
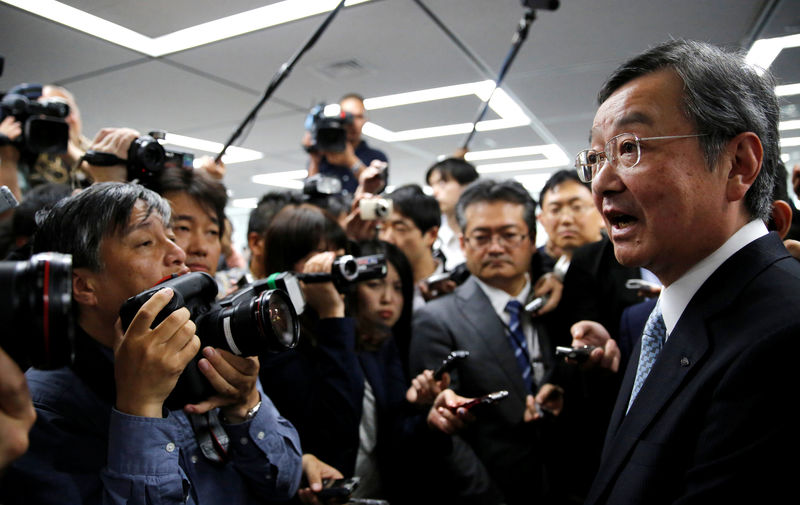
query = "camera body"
{"x": 375, "y": 208}
{"x": 147, "y": 158}
{"x": 253, "y": 321}
{"x": 43, "y": 127}
{"x": 348, "y": 270}
{"x": 36, "y": 311}
{"x": 326, "y": 124}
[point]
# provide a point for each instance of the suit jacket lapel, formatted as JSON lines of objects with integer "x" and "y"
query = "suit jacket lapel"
{"x": 683, "y": 351}
{"x": 476, "y": 308}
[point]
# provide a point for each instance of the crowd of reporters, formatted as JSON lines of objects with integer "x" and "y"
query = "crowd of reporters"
{"x": 310, "y": 358}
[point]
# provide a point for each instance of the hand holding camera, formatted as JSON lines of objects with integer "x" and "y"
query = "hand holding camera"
{"x": 322, "y": 296}
{"x": 445, "y": 415}
{"x": 148, "y": 361}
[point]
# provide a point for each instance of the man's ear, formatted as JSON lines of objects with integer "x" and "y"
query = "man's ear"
{"x": 84, "y": 287}
{"x": 781, "y": 217}
{"x": 746, "y": 154}
{"x": 429, "y": 237}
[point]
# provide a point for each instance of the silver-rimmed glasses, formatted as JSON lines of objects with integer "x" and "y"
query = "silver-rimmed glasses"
{"x": 623, "y": 150}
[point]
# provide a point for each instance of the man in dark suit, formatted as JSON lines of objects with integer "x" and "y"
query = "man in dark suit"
{"x": 684, "y": 149}
{"x": 508, "y": 350}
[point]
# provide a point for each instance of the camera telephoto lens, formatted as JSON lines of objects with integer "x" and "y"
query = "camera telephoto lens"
{"x": 256, "y": 324}
{"x": 36, "y": 310}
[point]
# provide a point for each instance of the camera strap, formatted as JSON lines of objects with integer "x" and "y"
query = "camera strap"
{"x": 211, "y": 436}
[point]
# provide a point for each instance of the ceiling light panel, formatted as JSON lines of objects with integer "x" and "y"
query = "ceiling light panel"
{"x": 202, "y": 34}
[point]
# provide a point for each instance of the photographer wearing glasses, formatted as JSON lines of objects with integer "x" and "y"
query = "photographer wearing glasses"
{"x": 683, "y": 158}
{"x": 104, "y": 434}
{"x": 508, "y": 349}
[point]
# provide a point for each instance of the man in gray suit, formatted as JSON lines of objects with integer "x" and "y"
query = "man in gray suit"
{"x": 508, "y": 350}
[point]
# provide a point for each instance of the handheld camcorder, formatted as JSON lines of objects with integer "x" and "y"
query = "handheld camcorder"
{"x": 348, "y": 270}
{"x": 147, "y": 158}
{"x": 253, "y": 321}
{"x": 43, "y": 127}
{"x": 326, "y": 124}
{"x": 36, "y": 311}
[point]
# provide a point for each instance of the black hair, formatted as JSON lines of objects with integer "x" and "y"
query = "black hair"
{"x": 462, "y": 171}
{"x": 208, "y": 192}
{"x": 558, "y": 178}
{"x": 78, "y": 224}
{"x": 413, "y": 203}
{"x": 297, "y": 231}
{"x": 489, "y": 190}
{"x": 723, "y": 96}
{"x": 41, "y": 197}
{"x": 268, "y": 206}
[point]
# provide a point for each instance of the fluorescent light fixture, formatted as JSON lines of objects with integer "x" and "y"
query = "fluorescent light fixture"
{"x": 553, "y": 157}
{"x": 788, "y": 89}
{"x": 789, "y": 125}
{"x": 785, "y": 158}
{"x": 289, "y": 179}
{"x": 202, "y": 34}
{"x": 790, "y": 142}
{"x": 503, "y": 153}
{"x": 244, "y": 203}
{"x": 232, "y": 155}
{"x": 763, "y": 52}
{"x": 533, "y": 182}
{"x": 511, "y": 114}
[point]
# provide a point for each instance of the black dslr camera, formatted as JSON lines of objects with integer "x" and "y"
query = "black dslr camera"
{"x": 326, "y": 123}
{"x": 253, "y": 321}
{"x": 36, "y": 311}
{"x": 348, "y": 270}
{"x": 147, "y": 158}
{"x": 43, "y": 127}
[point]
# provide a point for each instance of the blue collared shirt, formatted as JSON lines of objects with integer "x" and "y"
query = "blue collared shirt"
{"x": 84, "y": 451}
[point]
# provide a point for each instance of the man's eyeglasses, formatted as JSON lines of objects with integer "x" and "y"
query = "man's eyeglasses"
{"x": 479, "y": 240}
{"x": 574, "y": 209}
{"x": 623, "y": 150}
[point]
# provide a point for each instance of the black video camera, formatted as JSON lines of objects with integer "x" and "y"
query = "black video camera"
{"x": 36, "y": 311}
{"x": 253, "y": 321}
{"x": 348, "y": 270}
{"x": 326, "y": 123}
{"x": 147, "y": 158}
{"x": 43, "y": 127}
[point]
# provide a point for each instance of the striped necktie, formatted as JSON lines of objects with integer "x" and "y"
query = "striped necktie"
{"x": 519, "y": 343}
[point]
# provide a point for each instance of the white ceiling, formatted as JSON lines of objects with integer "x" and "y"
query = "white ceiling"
{"x": 206, "y": 91}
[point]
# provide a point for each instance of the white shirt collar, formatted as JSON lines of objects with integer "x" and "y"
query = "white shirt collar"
{"x": 677, "y": 295}
{"x": 499, "y": 298}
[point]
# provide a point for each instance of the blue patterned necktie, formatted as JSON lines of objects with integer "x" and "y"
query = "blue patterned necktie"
{"x": 519, "y": 343}
{"x": 653, "y": 337}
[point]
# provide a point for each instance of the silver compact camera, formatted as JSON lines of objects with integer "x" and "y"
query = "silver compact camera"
{"x": 375, "y": 208}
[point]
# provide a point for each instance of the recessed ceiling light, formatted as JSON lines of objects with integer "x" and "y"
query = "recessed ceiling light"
{"x": 511, "y": 114}
{"x": 789, "y": 125}
{"x": 244, "y": 203}
{"x": 205, "y": 33}
{"x": 787, "y": 89}
{"x": 763, "y": 52}
{"x": 289, "y": 179}
{"x": 232, "y": 155}
{"x": 553, "y": 157}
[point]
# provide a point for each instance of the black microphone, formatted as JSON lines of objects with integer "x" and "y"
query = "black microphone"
{"x": 547, "y": 5}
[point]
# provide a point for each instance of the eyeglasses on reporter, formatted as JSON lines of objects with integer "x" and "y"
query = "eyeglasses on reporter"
{"x": 623, "y": 150}
{"x": 507, "y": 239}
